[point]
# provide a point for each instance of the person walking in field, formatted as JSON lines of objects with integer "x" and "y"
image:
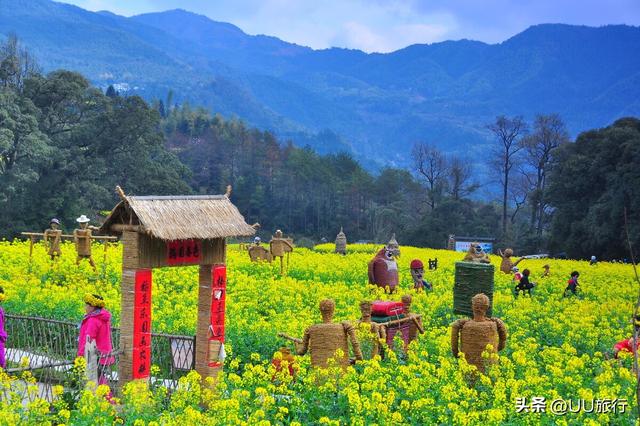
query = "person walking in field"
{"x": 96, "y": 326}
{"x": 572, "y": 285}
{"x": 524, "y": 284}
{"x": 3, "y": 332}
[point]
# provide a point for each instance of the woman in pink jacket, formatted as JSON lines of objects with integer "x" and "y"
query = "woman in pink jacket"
{"x": 96, "y": 326}
{"x": 3, "y": 333}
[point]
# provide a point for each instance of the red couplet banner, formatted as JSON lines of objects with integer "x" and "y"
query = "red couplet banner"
{"x": 183, "y": 252}
{"x": 218, "y": 297}
{"x": 142, "y": 324}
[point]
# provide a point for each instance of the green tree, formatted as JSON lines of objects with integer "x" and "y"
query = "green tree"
{"x": 590, "y": 184}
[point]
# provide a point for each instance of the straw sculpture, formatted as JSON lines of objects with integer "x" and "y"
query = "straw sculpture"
{"x": 324, "y": 339}
{"x": 278, "y": 246}
{"x": 415, "y": 325}
{"x": 258, "y": 253}
{"x": 393, "y": 246}
{"x": 471, "y": 336}
{"x": 378, "y": 332}
{"x": 82, "y": 239}
{"x": 52, "y": 237}
{"x": 507, "y": 264}
{"x": 476, "y": 254}
{"x": 341, "y": 243}
{"x": 471, "y": 279}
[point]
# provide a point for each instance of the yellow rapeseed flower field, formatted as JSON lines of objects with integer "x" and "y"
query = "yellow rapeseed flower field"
{"x": 557, "y": 348}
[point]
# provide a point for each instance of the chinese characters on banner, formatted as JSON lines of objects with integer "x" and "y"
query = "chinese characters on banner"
{"x": 142, "y": 324}
{"x": 183, "y": 252}
{"x": 218, "y": 296}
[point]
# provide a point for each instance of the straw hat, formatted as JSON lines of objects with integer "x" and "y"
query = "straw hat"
{"x": 83, "y": 219}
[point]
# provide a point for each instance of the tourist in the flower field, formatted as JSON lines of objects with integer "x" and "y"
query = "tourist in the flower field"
{"x": 626, "y": 345}
{"x": 524, "y": 285}
{"x": 3, "y": 332}
{"x": 573, "y": 284}
{"x": 96, "y": 326}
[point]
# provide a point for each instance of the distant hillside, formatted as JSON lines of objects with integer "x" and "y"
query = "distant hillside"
{"x": 375, "y": 105}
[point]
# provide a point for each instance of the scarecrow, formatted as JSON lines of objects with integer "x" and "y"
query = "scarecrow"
{"x": 471, "y": 336}
{"x": 52, "y": 237}
{"x": 341, "y": 243}
{"x": 476, "y": 254}
{"x": 82, "y": 238}
{"x": 278, "y": 246}
{"x": 257, "y": 252}
{"x": 417, "y": 274}
{"x": 377, "y": 332}
{"x": 507, "y": 264}
{"x": 324, "y": 339}
{"x": 415, "y": 323}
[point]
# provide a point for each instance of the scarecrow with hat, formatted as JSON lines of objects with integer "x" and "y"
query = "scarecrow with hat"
{"x": 52, "y": 237}
{"x": 417, "y": 274}
{"x": 82, "y": 239}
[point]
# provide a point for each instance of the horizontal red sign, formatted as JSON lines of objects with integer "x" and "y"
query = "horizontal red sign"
{"x": 183, "y": 251}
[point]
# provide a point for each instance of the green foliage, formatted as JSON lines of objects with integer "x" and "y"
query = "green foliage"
{"x": 590, "y": 185}
{"x": 64, "y": 146}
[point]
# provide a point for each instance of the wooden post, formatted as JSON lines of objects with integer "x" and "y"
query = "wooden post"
{"x": 204, "y": 322}
{"x": 130, "y": 265}
{"x": 32, "y": 239}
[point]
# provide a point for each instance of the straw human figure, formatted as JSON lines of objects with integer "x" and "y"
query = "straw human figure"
{"x": 82, "y": 238}
{"x": 471, "y": 336}
{"x": 324, "y": 339}
{"x": 257, "y": 252}
{"x": 415, "y": 325}
{"x": 507, "y": 263}
{"x": 278, "y": 246}
{"x": 52, "y": 236}
{"x": 376, "y": 333}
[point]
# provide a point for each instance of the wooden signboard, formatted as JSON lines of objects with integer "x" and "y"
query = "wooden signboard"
{"x": 218, "y": 298}
{"x": 183, "y": 252}
{"x": 142, "y": 325}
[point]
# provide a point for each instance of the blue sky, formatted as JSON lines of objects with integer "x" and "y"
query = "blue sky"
{"x": 386, "y": 25}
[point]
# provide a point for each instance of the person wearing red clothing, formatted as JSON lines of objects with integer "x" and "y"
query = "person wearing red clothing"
{"x": 96, "y": 326}
{"x": 285, "y": 356}
{"x": 625, "y": 346}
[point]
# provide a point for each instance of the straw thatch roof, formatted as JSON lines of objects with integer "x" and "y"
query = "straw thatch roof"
{"x": 178, "y": 217}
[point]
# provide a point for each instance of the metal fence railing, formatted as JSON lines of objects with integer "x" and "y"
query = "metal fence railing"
{"x": 47, "y": 347}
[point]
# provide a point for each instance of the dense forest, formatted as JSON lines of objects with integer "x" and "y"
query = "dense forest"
{"x": 64, "y": 145}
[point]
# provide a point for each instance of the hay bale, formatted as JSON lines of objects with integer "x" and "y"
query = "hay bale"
{"x": 471, "y": 279}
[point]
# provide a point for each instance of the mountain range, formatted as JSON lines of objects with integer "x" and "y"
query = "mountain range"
{"x": 372, "y": 105}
